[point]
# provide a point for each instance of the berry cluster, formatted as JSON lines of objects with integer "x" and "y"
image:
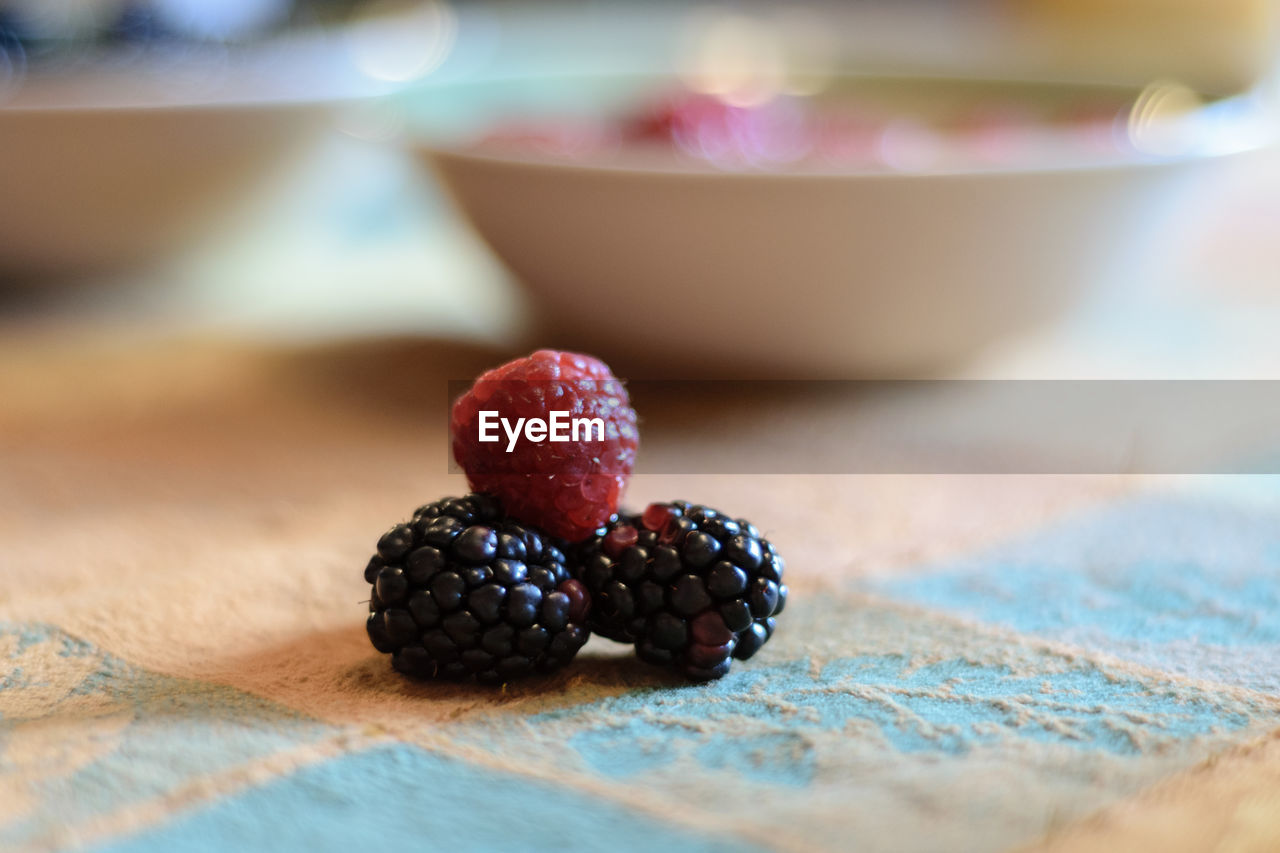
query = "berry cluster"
{"x": 488, "y": 587}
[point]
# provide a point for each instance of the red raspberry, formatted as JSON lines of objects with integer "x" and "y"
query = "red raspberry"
{"x": 780, "y": 130}
{"x": 567, "y": 488}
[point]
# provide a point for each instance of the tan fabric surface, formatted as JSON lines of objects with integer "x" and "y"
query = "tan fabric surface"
{"x": 203, "y": 510}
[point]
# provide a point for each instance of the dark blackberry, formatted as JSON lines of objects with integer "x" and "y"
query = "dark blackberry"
{"x": 462, "y": 591}
{"x": 690, "y": 587}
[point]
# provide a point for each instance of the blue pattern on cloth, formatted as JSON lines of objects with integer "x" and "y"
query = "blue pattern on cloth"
{"x": 1067, "y": 669}
{"x": 1188, "y": 587}
{"x": 888, "y": 715}
{"x": 404, "y": 798}
{"x": 949, "y": 707}
{"x": 115, "y": 735}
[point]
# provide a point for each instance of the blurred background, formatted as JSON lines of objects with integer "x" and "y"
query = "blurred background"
{"x": 1040, "y": 188}
{"x": 246, "y": 244}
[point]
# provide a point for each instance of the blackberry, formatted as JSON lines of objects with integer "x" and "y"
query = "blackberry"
{"x": 462, "y": 591}
{"x": 689, "y": 586}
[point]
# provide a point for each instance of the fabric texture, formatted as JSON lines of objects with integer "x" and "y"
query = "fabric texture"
{"x": 966, "y": 663}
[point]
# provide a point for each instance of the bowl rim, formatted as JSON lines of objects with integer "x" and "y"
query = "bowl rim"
{"x": 1265, "y": 133}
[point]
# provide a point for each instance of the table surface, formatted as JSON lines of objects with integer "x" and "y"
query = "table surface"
{"x": 994, "y": 661}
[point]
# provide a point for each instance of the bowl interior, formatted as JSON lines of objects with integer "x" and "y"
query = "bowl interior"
{"x": 854, "y": 123}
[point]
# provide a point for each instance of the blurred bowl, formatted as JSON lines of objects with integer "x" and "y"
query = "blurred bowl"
{"x": 684, "y": 265}
{"x": 117, "y": 162}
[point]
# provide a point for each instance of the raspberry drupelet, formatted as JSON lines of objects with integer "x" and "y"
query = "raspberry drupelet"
{"x": 567, "y": 488}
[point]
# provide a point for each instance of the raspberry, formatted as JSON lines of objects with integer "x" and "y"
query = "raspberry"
{"x": 568, "y": 488}
{"x": 779, "y": 130}
{"x": 460, "y": 591}
{"x": 689, "y": 586}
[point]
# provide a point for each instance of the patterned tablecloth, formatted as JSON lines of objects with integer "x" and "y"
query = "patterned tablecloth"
{"x": 967, "y": 663}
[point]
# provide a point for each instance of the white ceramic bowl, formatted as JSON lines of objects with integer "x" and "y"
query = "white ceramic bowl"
{"x": 690, "y": 268}
{"x": 119, "y": 162}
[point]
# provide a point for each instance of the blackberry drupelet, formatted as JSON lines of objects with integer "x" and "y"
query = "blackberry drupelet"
{"x": 689, "y": 586}
{"x": 462, "y": 591}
